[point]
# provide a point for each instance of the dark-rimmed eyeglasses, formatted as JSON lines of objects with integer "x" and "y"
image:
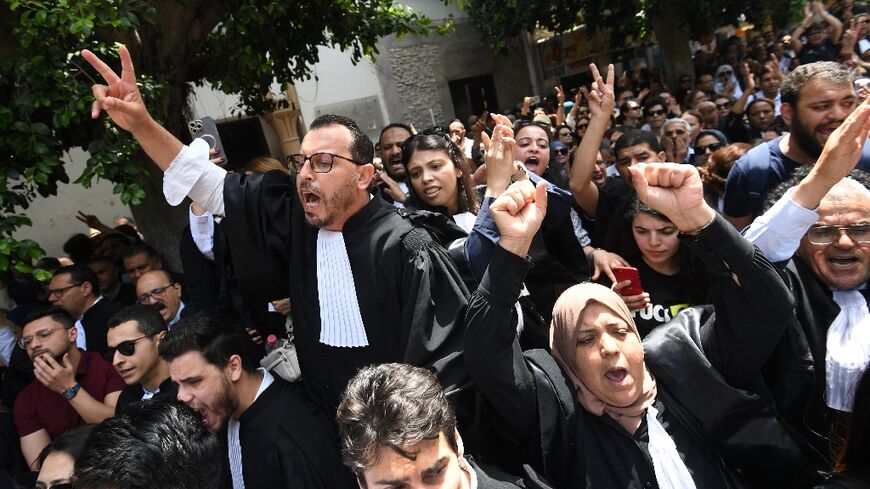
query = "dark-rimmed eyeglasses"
{"x": 126, "y": 347}
{"x": 712, "y": 147}
{"x": 61, "y": 291}
{"x": 40, "y": 335}
{"x": 825, "y": 235}
{"x": 320, "y": 162}
{"x": 153, "y": 294}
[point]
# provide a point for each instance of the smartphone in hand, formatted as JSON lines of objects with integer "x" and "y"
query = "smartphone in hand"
{"x": 206, "y": 129}
{"x": 628, "y": 273}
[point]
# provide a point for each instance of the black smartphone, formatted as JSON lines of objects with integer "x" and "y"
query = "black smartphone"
{"x": 206, "y": 129}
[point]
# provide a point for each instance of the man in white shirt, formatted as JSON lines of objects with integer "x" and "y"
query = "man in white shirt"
{"x": 77, "y": 289}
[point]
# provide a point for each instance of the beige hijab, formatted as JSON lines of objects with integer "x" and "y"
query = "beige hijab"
{"x": 567, "y": 320}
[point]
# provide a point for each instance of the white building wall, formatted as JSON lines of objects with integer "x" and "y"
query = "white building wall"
{"x": 54, "y": 218}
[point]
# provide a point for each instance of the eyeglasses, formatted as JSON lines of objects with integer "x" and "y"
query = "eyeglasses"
{"x": 61, "y": 291}
{"x": 654, "y": 113}
{"x": 726, "y": 105}
{"x": 712, "y": 147}
{"x": 127, "y": 347}
{"x": 564, "y": 133}
{"x": 561, "y": 151}
{"x": 40, "y": 335}
{"x": 153, "y": 294}
{"x": 320, "y": 162}
{"x": 825, "y": 235}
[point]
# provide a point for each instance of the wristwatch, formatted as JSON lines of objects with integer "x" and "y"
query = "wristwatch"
{"x": 71, "y": 392}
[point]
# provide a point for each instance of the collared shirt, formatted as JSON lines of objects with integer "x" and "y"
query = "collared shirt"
{"x": 177, "y": 316}
{"x": 233, "y": 427}
{"x": 778, "y": 232}
{"x": 81, "y": 340}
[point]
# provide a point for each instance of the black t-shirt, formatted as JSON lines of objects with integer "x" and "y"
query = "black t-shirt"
{"x": 826, "y": 51}
{"x": 612, "y": 201}
{"x": 667, "y": 294}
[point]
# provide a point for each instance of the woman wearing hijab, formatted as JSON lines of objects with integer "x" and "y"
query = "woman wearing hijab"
{"x": 685, "y": 408}
{"x": 726, "y": 82}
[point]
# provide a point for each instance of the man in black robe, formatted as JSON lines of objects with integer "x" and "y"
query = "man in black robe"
{"x": 273, "y": 434}
{"x": 816, "y": 228}
{"x": 77, "y": 289}
{"x": 389, "y": 293}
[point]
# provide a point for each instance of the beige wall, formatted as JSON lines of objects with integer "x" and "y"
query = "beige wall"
{"x": 54, "y": 217}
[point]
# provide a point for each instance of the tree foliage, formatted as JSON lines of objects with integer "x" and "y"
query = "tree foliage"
{"x": 240, "y": 47}
{"x": 500, "y": 20}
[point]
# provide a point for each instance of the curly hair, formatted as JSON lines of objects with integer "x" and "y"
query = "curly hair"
{"x": 715, "y": 172}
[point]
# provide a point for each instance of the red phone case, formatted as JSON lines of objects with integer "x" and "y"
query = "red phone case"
{"x": 628, "y": 273}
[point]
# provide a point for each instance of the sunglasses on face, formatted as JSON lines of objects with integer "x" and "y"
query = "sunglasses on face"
{"x": 723, "y": 106}
{"x": 564, "y": 134}
{"x": 712, "y": 147}
{"x": 126, "y": 348}
{"x": 561, "y": 151}
{"x": 654, "y": 113}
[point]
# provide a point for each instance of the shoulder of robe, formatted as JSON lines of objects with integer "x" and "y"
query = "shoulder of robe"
{"x": 428, "y": 227}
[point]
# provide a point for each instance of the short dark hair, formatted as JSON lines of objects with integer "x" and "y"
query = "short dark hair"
{"x": 391, "y": 405}
{"x": 151, "y": 444}
{"x": 148, "y": 320}
{"x": 395, "y": 125}
{"x": 361, "y": 148}
{"x": 216, "y": 337}
{"x": 652, "y": 102}
{"x": 760, "y": 100}
{"x": 136, "y": 249}
{"x": 634, "y": 137}
{"x": 80, "y": 273}
{"x": 79, "y": 247}
{"x": 57, "y": 314}
{"x": 826, "y": 70}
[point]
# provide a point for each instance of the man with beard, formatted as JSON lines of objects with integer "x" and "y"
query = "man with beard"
{"x": 72, "y": 386}
{"x": 393, "y": 185}
{"x": 816, "y": 99}
{"x": 275, "y": 436}
{"x": 817, "y": 229}
{"x": 366, "y": 284}
{"x": 157, "y": 289}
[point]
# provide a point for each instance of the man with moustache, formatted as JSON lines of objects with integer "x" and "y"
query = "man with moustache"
{"x": 135, "y": 334}
{"x": 72, "y": 386}
{"x": 156, "y": 288}
{"x": 275, "y": 436}
{"x": 390, "y": 151}
{"x": 367, "y": 285}
{"x": 816, "y": 99}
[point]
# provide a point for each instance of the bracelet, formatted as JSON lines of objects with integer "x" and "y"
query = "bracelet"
{"x": 695, "y": 232}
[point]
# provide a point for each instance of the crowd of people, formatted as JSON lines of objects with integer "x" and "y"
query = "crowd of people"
{"x": 641, "y": 287}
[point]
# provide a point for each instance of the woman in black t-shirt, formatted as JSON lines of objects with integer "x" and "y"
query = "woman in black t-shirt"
{"x": 670, "y": 278}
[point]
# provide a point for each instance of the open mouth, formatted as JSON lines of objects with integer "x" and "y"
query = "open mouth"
{"x": 842, "y": 262}
{"x": 531, "y": 163}
{"x": 396, "y": 165}
{"x": 125, "y": 372}
{"x": 431, "y": 192}
{"x": 616, "y": 375}
{"x": 310, "y": 200}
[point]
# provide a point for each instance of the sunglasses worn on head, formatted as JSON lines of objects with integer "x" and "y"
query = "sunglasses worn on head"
{"x": 126, "y": 348}
{"x": 712, "y": 147}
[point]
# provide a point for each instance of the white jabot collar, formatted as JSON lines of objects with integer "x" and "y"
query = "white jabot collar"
{"x": 848, "y": 349}
{"x": 341, "y": 322}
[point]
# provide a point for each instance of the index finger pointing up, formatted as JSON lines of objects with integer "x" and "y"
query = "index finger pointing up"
{"x": 102, "y": 68}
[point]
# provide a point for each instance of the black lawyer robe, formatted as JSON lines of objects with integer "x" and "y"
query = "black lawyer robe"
{"x": 167, "y": 391}
{"x": 95, "y": 322}
{"x": 288, "y": 442}
{"x": 411, "y": 297}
